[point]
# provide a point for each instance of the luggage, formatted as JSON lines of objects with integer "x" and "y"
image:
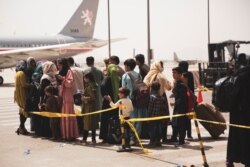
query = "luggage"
{"x": 114, "y": 131}
{"x": 208, "y": 112}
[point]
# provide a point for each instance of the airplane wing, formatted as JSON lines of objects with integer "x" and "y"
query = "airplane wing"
{"x": 9, "y": 58}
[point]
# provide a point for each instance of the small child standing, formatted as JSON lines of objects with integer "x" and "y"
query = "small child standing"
{"x": 179, "y": 124}
{"x": 123, "y": 94}
{"x": 157, "y": 107}
{"x": 52, "y": 105}
{"x": 90, "y": 122}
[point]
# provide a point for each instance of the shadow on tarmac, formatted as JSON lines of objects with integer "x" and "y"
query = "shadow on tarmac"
{"x": 6, "y": 85}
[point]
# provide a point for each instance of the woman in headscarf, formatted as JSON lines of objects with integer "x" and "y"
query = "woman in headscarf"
{"x": 155, "y": 74}
{"x": 69, "y": 128}
{"x": 115, "y": 80}
{"x": 31, "y": 65}
{"x": 48, "y": 78}
{"x": 32, "y": 102}
{"x": 107, "y": 90}
{"x": 20, "y": 94}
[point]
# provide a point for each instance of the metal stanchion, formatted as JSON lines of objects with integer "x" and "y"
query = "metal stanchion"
{"x": 123, "y": 147}
{"x": 205, "y": 164}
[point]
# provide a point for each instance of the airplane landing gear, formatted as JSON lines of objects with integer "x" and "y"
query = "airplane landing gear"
{"x": 1, "y": 80}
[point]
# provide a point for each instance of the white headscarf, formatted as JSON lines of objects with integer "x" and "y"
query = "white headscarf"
{"x": 49, "y": 72}
{"x": 155, "y": 73}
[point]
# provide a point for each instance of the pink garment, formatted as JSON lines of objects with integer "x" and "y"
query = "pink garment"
{"x": 69, "y": 128}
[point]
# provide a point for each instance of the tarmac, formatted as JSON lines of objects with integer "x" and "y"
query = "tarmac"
{"x": 30, "y": 151}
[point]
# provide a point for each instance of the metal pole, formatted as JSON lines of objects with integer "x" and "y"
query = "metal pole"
{"x": 208, "y": 21}
{"x": 109, "y": 45}
{"x": 205, "y": 164}
{"x": 148, "y": 25}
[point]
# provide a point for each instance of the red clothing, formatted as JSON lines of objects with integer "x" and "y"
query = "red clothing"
{"x": 190, "y": 98}
{"x": 69, "y": 128}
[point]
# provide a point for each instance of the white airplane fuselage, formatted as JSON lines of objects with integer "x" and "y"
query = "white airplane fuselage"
{"x": 75, "y": 37}
{"x": 40, "y": 43}
{"x": 27, "y": 42}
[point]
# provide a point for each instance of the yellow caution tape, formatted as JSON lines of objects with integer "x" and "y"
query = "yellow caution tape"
{"x": 222, "y": 123}
{"x": 158, "y": 118}
{"x": 146, "y": 151}
{"x": 148, "y": 119}
{"x": 78, "y": 113}
{"x": 204, "y": 89}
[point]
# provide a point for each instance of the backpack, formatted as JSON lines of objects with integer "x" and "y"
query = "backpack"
{"x": 114, "y": 131}
{"x": 225, "y": 93}
{"x": 140, "y": 94}
{"x": 191, "y": 100}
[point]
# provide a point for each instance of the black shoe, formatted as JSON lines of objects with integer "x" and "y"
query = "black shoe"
{"x": 158, "y": 144}
{"x": 229, "y": 164}
{"x": 181, "y": 142}
{"x": 190, "y": 138}
{"x": 17, "y": 131}
{"x": 22, "y": 131}
{"x": 178, "y": 144}
{"x": 171, "y": 140}
{"x": 151, "y": 145}
{"x": 164, "y": 140}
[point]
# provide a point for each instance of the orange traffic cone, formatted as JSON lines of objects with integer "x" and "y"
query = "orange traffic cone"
{"x": 199, "y": 97}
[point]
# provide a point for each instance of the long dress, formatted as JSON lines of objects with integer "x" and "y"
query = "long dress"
{"x": 43, "y": 127}
{"x": 106, "y": 89}
{"x": 20, "y": 90}
{"x": 98, "y": 79}
{"x": 238, "y": 148}
{"x": 69, "y": 128}
{"x": 89, "y": 105}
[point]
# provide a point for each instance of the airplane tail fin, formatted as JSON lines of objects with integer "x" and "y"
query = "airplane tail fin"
{"x": 176, "y": 59}
{"x": 82, "y": 23}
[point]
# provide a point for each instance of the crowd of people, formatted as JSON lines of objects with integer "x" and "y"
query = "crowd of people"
{"x": 52, "y": 85}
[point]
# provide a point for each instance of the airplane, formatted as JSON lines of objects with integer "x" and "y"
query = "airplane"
{"x": 190, "y": 62}
{"x": 75, "y": 37}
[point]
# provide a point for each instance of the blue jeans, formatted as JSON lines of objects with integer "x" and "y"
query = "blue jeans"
{"x": 138, "y": 113}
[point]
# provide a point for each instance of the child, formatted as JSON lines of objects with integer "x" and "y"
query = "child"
{"x": 123, "y": 94}
{"x": 179, "y": 124}
{"x": 52, "y": 105}
{"x": 90, "y": 122}
{"x": 190, "y": 94}
{"x": 157, "y": 107}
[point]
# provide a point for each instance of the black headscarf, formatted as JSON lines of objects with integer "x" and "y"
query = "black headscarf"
{"x": 65, "y": 66}
{"x": 21, "y": 66}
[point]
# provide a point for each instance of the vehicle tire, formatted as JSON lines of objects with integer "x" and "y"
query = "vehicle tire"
{"x": 1, "y": 80}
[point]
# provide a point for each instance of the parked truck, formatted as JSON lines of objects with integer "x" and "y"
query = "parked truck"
{"x": 218, "y": 64}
